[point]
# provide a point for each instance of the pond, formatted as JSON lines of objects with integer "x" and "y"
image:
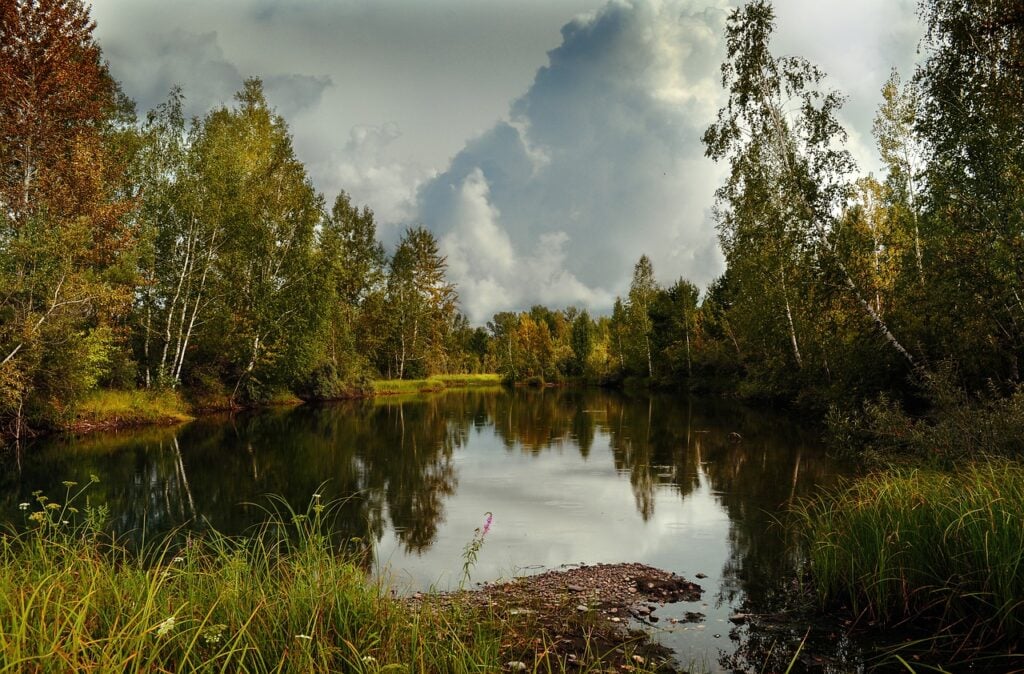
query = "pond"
{"x": 571, "y": 476}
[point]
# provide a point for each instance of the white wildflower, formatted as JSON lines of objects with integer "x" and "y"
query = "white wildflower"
{"x": 164, "y": 628}
{"x": 23, "y": 506}
{"x": 304, "y": 637}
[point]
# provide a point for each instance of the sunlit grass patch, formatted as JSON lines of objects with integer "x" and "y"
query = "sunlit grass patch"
{"x": 906, "y": 543}
{"x": 433, "y": 384}
{"x": 283, "y": 599}
{"x": 114, "y": 408}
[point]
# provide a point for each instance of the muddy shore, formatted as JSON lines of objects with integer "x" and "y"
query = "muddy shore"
{"x": 584, "y": 617}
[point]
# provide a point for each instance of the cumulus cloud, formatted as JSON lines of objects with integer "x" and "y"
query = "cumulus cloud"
{"x": 366, "y": 170}
{"x": 600, "y": 162}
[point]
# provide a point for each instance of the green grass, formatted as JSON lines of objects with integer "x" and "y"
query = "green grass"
{"x": 435, "y": 383}
{"x": 905, "y": 543}
{"x": 287, "y": 598}
{"x": 116, "y": 408}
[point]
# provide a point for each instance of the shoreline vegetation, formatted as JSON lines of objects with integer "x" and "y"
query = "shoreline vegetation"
{"x": 289, "y": 598}
{"x": 111, "y": 409}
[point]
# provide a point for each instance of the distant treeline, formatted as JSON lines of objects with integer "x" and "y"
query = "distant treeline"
{"x": 196, "y": 254}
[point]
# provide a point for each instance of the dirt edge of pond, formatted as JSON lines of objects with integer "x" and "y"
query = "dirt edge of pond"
{"x": 577, "y": 618}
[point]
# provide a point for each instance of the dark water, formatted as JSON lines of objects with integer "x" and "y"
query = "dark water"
{"x": 571, "y": 476}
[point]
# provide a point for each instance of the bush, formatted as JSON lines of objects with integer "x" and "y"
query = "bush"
{"x": 958, "y": 425}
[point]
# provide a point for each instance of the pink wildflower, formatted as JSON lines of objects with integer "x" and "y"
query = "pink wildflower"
{"x": 487, "y": 524}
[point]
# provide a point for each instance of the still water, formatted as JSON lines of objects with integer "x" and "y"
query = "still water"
{"x": 571, "y": 476}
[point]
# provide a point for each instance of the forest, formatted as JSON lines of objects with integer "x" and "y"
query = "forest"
{"x": 159, "y": 253}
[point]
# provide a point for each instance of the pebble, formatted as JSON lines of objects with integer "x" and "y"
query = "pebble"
{"x": 515, "y": 666}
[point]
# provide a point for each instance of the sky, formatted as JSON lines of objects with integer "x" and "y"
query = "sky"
{"x": 546, "y": 143}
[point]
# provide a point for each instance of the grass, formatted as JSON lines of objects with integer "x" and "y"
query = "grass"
{"x": 284, "y": 599}
{"x": 433, "y": 384}
{"x": 904, "y": 544}
{"x": 115, "y": 408}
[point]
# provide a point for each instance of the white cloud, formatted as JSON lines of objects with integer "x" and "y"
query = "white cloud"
{"x": 365, "y": 169}
{"x": 601, "y": 162}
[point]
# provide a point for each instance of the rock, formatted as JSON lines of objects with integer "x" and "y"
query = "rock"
{"x": 639, "y": 659}
{"x": 738, "y": 618}
{"x": 581, "y": 607}
{"x": 515, "y": 666}
{"x": 574, "y": 588}
{"x": 701, "y": 575}
{"x": 615, "y": 619}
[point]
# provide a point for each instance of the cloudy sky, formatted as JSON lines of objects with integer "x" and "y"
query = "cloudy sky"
{"x": 547, "y": 143}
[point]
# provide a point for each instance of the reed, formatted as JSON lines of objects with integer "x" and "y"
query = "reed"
{"x": 910, "y": 543}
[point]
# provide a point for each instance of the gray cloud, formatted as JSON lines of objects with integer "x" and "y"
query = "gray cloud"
{"x": 600, "y": 162}
{"x": 148, "y": 65}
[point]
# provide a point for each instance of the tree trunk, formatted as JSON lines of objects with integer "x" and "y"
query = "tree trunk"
{"x": 789, "y": 320}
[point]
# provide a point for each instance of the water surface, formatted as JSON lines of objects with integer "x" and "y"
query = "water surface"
{"x": 571, "y": 476}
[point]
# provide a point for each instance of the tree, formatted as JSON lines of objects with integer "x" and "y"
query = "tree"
{"x": 582, "y": 341}
{"x": 62, "y": 230}
{"x": 788, "y": 182}
{"x": 257, "y": 193}
{"x": 971, "y": 120}
{"x": 642, "y": 291}
{"x": 180, "y": 237}
{"x": 351, "y": 264}
{"x": 422, "y": 301}
{"x": 902, "y": 153}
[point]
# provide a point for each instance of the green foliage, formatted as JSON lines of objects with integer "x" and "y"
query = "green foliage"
{"x": 955, "y": 427}
{"x": 947, "y": 546}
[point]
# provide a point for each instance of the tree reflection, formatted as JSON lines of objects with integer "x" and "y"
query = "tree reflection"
{"x": 389, "y": 465}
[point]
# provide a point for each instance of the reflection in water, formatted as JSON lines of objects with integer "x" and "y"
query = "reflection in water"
{"x": 571, "y": 476}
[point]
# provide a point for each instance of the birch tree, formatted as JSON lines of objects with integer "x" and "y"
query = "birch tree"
{"x": 256, "y": 194}
{"x": 789, "y": 177}
{"x": 422, "y": 302}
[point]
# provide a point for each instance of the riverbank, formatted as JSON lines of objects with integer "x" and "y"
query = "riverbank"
{"x": 106, "y": 410}
{"x": 111, "y": 409}
{"x": 288, "y": 598}
{"x": 434, "y": 384}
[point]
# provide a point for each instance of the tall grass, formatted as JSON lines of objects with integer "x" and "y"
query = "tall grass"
{"x": 287, "y": 598}
{"x": 281, "y": 600}
{"x": 908, "y": 543}
{"x": 110, "y": 407}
